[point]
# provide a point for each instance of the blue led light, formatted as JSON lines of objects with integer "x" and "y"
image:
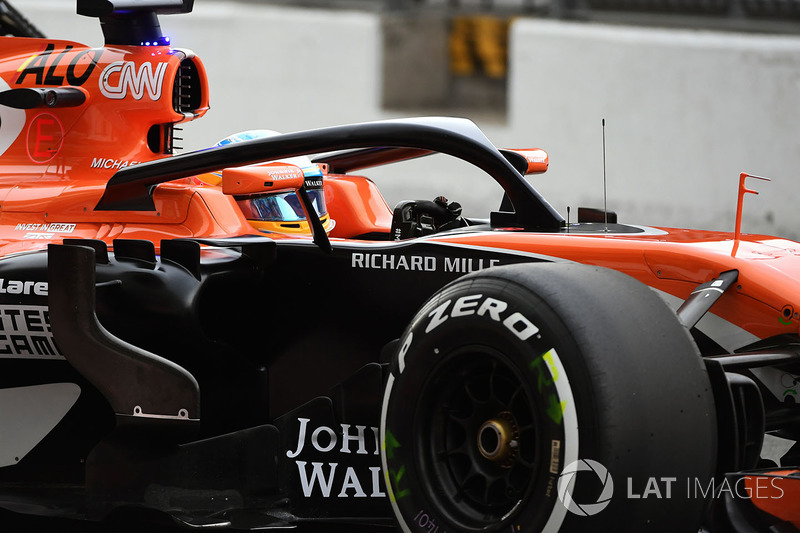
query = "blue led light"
{"x": 163, "y": 41}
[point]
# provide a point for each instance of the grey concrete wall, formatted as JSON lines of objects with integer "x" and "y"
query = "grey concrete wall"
{"x": 686, "y": 111}
{"x": 416, "y": 72}
{"x": 280, "y": 68}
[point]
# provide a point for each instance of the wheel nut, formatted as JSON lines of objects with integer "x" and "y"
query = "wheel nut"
{"x": 498, "y": 439}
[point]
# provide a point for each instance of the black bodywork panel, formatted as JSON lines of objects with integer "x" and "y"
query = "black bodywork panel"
{"x": 283, "y": 341}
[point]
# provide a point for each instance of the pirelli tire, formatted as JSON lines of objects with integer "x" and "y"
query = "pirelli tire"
{"x": 547, "y": 397}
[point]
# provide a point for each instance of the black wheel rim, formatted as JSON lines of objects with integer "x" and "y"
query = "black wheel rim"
{"x": 478, "y": 438}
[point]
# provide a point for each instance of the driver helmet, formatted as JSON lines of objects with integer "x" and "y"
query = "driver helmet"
{"x": 279, "y": 212}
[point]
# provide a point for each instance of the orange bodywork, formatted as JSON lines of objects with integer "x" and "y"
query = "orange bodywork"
{"x": 674, "y": 261}
{"x": 677, "y": 261}
{"x": 357, "y": 206}
{"x": 57, "y": 161}
{"x": 776, "y": 493}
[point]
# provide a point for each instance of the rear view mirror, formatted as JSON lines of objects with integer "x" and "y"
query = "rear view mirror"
{"x": 528, "y": 161}
{"x": 260, "y": 179}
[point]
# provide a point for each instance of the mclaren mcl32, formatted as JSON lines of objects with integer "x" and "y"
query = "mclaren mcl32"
{"x": 249, "y": 337}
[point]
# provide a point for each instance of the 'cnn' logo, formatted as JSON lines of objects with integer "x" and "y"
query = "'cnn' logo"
{"x": 121, "y": 76}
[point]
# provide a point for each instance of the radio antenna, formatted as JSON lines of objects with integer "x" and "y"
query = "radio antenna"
{"x": 605, "y": 189}
{"x": 567, "y": 219}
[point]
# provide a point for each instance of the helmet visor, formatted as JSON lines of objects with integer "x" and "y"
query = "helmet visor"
{"x": 284, "y": 207}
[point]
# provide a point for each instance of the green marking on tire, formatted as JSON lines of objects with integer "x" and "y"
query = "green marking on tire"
{"x": 396, "y": 476}
{"x": 546, "y": 371}
{"x": 555, "y": 409}
{"x": 389, "y": 444}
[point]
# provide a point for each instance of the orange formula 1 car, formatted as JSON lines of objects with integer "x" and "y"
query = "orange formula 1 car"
{"x": 249, "y": 337}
